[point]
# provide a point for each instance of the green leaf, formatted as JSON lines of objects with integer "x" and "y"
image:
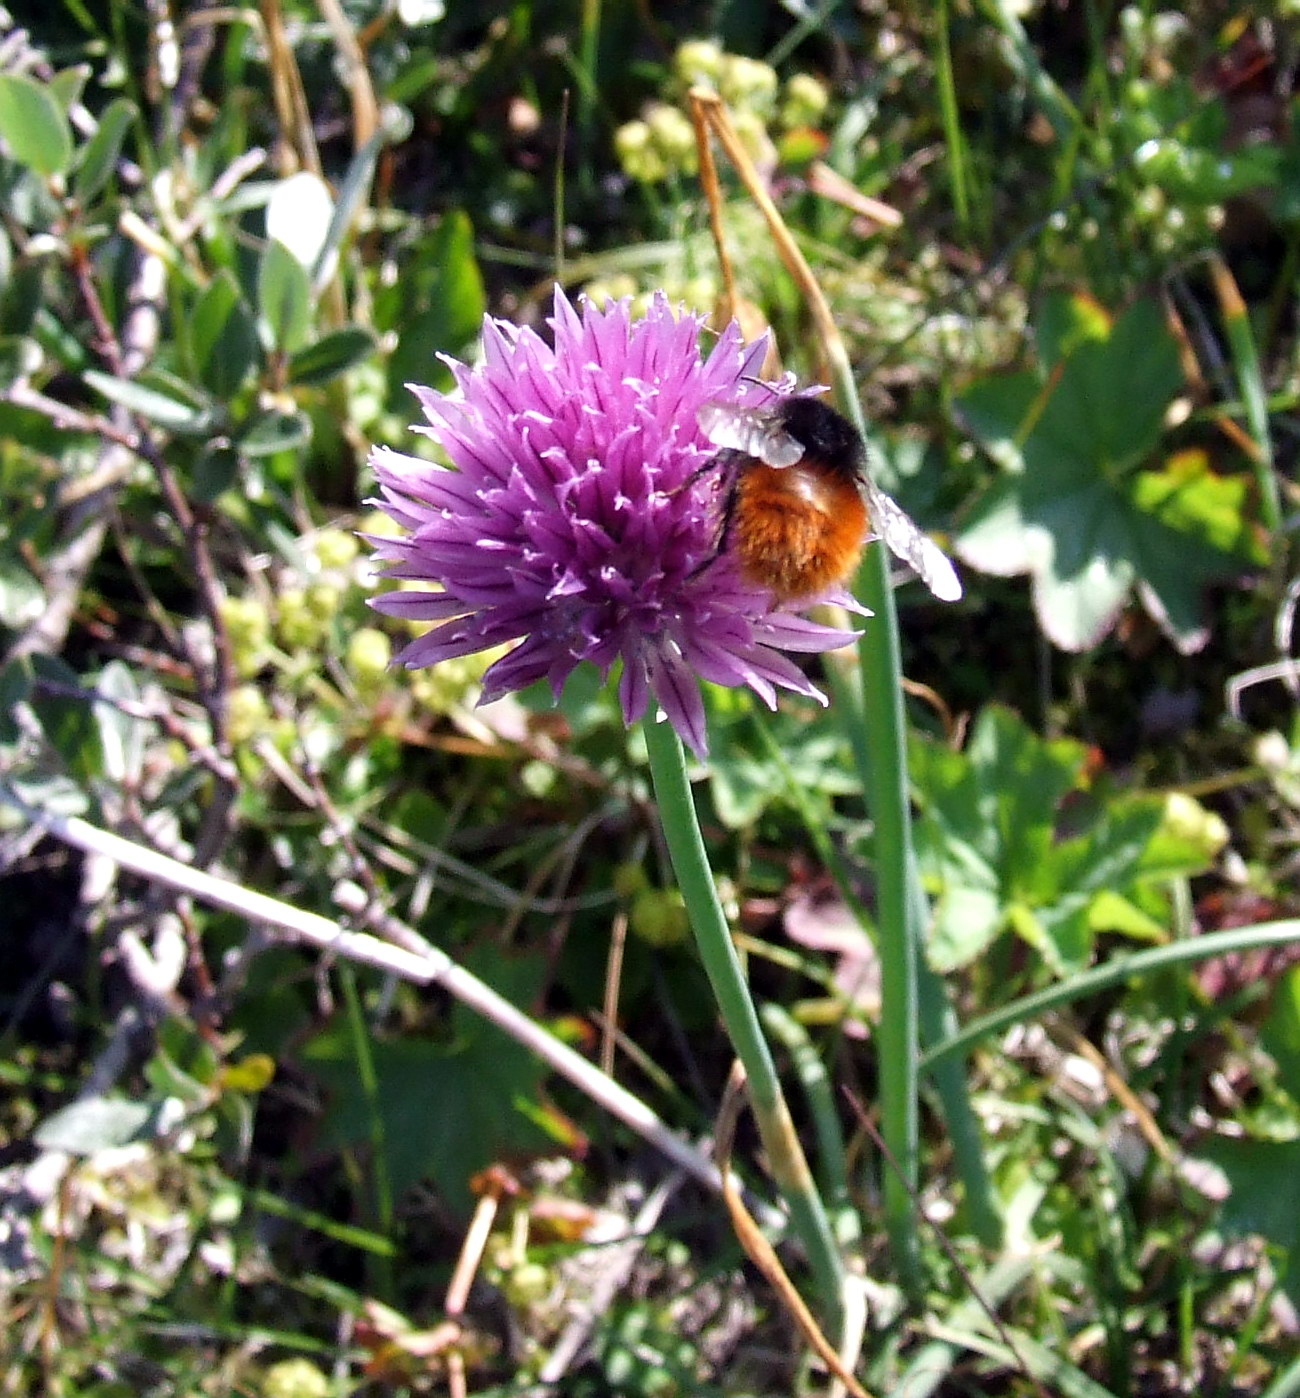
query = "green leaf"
{"x": 99, "y": 1123}
{"x": 1265, "y": 1198}
{"x": 179, "y": 413}
{"x": 965, "y": 921}
{"x": 353, "y": 195}
{"x": 274, "y": 432}
{"x": 1280, "y": 1032}
{"x": 121, "y": 737}
{"x": 284, "y": 297}
{"x": 995, "y": 412}
{"x": 215, "y": 472}
{"x": 66, "y": 718}
{"x": 1065, "y": 322}
{"x": 22, "y": 598}
{"x": 67, "y": 85}
{"x": 1189, "y": 499}
{"x": 445, "y": 283}
{"x": 993, "y": 855}
{"x": 33, "y": 125}
{"x": 21, "y": 357}
{"x": 98, "y": 157}
{"x": 1080, "y": 510}
{"x": 1076, "y": 872}
{"x": 332, "y": 355}
{"x": 15, "y": 688}
{"x": 1112, "y": 912}
{"x": 449, "y": 1108}
{"x": 223, "y": 336}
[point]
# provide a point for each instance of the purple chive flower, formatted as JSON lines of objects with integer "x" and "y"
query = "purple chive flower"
{"x": 574, "y": 521}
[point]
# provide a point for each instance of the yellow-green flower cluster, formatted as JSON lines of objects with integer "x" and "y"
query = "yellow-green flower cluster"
{"x": 661, "y": 143}
{"x": 697, "y": 294}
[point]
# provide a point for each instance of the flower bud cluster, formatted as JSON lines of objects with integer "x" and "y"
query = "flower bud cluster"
{"x": 660, "y": 144}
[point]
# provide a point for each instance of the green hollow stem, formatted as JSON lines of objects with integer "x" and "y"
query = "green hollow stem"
{"x": 938, "y": 1020}
{"x": 883, "y": 741}
{"x": 722, "y": 964}
{"x": 880, "y": 749}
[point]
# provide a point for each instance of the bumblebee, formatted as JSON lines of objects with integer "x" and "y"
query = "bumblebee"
{"x": 800, "y": 504}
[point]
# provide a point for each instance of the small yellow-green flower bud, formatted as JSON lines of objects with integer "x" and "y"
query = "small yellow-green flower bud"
{"x": 658, "y": 916}
{"x": 294, "y": 623}
{"x": 673, "y": 136}
{"x": 700, "y": 294}
{"x": 246, "y": 713}
{"x": 699, "y": 61}
{"x": 1186, "y": 819}
{"x": 335, "y": 548}
{"x": 630, "y": 879}
{"x": 249, "y": 629}
{"x": 378, "y": 523}
{"x": 294, "y": 1378}
{"x": 323, "y": 601}
{"x": 526, "y": 1284}
{"x": 752, "y": 131}
{"x": 804, "y": 101}
{"x": 606, "y": 289}
{"x": 747, "y": 84}
{"x": 368, "y": 654}
{"x": 637, "y": 154}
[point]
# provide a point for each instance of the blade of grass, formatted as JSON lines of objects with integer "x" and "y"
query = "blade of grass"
{"x": 1286, "y": 1385}
{"x": 359, "y": 1032}
{"x": 1245, "y": 358}
{"x": 1019, "y": 50}
{"x": 954, "y": 139}
{"x": 1114, "y": 972}
{"x": 1045, "y": 1365}
{"x": 816, "y": 1083}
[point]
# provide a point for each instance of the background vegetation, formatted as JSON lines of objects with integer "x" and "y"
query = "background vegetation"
{"x": 1062, "y": 241}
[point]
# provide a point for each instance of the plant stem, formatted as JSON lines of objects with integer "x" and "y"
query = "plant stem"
{"x": 956, "y": 144}
{"x": 1114, "y": 972}
{"x": 885, "y": 788}
{"x": 786, "y": 1159}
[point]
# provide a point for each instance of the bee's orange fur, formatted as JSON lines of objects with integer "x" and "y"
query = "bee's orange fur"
{"x": 797, "y": 529}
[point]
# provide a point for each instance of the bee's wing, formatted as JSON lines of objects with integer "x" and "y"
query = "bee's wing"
{"x": 904, "y": 540}
{"x": 748, "y": 430}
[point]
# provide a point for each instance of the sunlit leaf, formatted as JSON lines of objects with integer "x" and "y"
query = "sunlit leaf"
{"x": 34, "y": 125}
{"x": 284, "y": 297}
{"x": 332, "y": 355}
{"x": 223, "y": 337}
{"x": 996, "y": 855}
{"x": 178, "y": 413}
{"x": 445, "y": 284}
{"x": 274, "y": 432}
{"x": 98, "y": 1123}
{"x": 1082, "y": 508}
{"x": 98, "y": 156}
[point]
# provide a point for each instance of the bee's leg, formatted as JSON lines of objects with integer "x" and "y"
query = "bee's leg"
{"x": 725, "y": 527}
{"x": 714, "y": 463}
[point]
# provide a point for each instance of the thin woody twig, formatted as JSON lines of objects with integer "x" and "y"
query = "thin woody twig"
{"x": 432, "y": 967}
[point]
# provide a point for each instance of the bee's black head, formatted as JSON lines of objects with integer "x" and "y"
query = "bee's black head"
{"x": 824, "y": 434}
